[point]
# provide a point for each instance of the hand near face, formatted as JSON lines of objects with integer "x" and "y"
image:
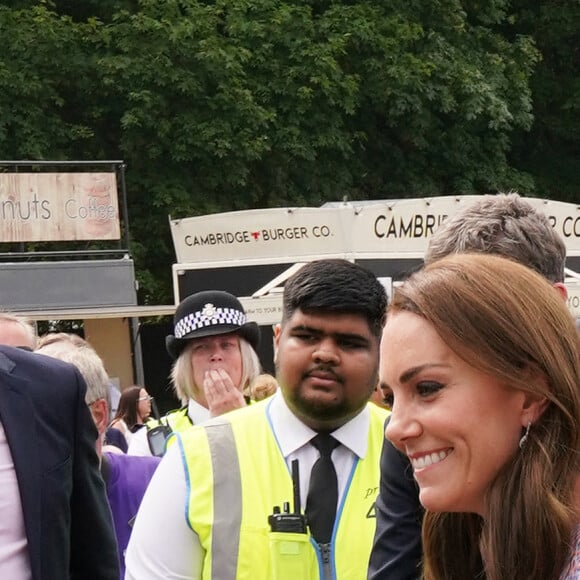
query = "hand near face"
{"x": 220, "y": 392}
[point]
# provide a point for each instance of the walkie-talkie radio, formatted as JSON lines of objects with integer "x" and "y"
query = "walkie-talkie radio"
{"x": 286, "y": 521}
{"x": 291, "y": 553}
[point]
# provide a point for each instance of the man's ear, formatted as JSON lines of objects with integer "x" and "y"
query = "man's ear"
{"x": 560, "y": 287}
{"x": 100, "y": 412}
{"x": 277, "y": 332}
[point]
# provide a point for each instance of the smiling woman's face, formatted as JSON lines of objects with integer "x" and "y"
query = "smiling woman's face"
{"x": 458, "y": 426}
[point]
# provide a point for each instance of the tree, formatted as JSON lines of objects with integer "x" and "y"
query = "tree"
{"x": 232, "y": 104}
{"x": 550, "y": 151}
{"x": 45, "y": 73}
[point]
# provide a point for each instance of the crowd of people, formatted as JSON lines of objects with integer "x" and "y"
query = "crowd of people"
{"x": 468, "y": 469}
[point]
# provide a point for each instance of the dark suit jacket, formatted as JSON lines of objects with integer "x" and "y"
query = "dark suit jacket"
{"x": 52, "y": 437}
{"x": 397, "y": 551}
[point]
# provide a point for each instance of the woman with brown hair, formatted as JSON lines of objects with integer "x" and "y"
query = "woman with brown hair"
{"x": 480, "y": 359}
{"x": 134, "y": 409}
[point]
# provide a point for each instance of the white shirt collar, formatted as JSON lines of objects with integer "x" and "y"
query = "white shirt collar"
{"x": 292, "y": 434}
{"x": 197, "y": 413}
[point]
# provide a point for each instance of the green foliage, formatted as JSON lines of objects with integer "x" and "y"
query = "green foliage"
{"x": 231, "y": 104}
{"x": 35, "y": 78}
{"x": 552, "y": 149}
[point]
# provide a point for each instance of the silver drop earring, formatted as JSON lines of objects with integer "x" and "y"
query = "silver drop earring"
{"x": 525, "y": 435}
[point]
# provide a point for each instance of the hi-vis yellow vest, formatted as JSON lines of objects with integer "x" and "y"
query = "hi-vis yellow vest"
{"x": 236, "y": 476}
{"x": 177, "y": 420}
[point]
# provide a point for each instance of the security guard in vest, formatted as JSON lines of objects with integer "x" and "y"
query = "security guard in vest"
{"x": 284, "y": 488}
{"x": 213, "y": 347}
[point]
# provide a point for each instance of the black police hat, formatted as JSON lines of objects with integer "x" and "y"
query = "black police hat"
{"x": 209, "y": 313}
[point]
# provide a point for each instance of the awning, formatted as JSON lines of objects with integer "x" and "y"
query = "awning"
{"x": 96, "y": 312}
{"x": 264, "y": 310}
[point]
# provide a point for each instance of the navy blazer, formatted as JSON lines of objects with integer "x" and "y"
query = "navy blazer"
{"x": 397, "y": 549}
{"x": 51, "y": 435}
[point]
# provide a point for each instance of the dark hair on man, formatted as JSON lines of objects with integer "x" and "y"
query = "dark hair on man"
{"x": 506, "y": 225}
{"x": 336, "y": 286}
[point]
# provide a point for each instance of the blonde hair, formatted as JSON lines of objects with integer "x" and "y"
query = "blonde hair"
{"x": 182, "y": 372}
{"x": 262, "y": 387}
{"x": 508, "y": 322}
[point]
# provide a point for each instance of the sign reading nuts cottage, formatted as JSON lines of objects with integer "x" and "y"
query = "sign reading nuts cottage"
{"x": 58, "y": 207}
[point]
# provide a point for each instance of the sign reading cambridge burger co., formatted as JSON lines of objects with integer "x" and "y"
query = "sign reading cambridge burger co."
{"x": 382, "y": 229}
{"x": 58, "y": 207}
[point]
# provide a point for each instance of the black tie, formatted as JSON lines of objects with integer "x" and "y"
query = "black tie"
{"x": 322, "y": 491}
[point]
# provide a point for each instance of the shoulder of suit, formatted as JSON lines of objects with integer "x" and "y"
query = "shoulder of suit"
{"x": 15, "y": 358}
{"x": 7, "y": 364}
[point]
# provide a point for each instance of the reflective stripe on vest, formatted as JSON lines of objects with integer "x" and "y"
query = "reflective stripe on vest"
{"x": 225, "y": 539}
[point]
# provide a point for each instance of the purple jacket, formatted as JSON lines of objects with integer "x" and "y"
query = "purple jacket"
{"x": 127, "y": 478}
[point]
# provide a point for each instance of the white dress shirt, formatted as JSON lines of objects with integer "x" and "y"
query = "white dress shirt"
{"x": 162, "y": 543}
{"x": 14, "y": 559}
{"x": 139, "y": 445}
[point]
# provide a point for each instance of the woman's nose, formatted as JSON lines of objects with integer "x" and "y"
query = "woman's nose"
{"x": 216, "y": 353}
{"x": 403, "y": 424}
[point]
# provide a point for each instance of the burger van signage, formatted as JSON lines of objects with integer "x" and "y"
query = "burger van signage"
{"x": 382, "y": 229}
{"x": 262, "y": 233}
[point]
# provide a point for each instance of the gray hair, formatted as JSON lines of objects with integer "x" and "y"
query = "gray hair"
{"x": 182, "y": 372}
{"x": 77, "y": 351}
{"x": 506, "y": 225}
{"x": 52, "y": 337}
{"x": 26, "y": 325}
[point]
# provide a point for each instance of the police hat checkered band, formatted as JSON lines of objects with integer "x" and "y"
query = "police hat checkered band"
{"x": 201, "y": 319}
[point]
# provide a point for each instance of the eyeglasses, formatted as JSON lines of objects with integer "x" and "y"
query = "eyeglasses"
{"x": 147, "y": 398}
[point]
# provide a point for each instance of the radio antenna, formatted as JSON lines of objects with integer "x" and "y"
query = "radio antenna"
{"x": 296, "y": 485}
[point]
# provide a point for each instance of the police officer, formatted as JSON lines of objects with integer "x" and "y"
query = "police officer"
{"x": 213, "y": 346}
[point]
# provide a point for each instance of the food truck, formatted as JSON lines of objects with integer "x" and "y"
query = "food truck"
{"x": 251, "y": 253}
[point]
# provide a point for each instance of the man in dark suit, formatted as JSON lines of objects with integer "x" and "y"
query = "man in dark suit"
{"x": 55, "y": 523}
